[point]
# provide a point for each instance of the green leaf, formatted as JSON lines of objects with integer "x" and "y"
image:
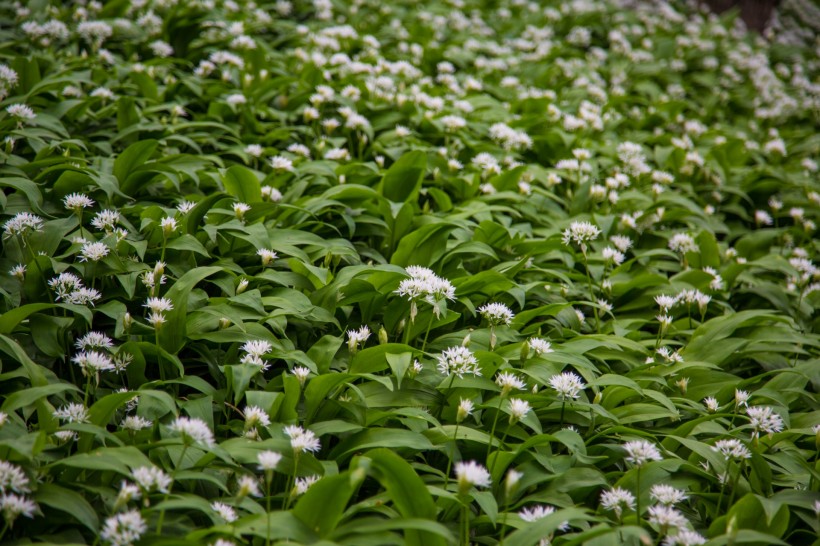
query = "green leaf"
{"x": 70, "y": 502}
{"x": 322, "y": 506}
{"x": 132, "y": 157}
{"x": 243, "y": 184}
{"x": 402, "y": 180}
{"x": 408, "y": 493}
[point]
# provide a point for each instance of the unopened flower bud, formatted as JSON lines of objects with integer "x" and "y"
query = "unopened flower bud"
{"x": 224, "y": 322}
{"x": 242, "y": 286}
{"x": 127, "y": 321}
{"x": 382, "y": 336}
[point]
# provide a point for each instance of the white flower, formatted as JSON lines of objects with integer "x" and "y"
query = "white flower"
{"x": 124, "y": 529}
{"x": 741, "y": 398}
{"x": 612, "y": 256}
{"x": 580, "y": 233}
{"x": 184, "y": 207}
{"x": 193, "y": 429}
{"x": 465, "y": 409}
{"x": 93, "y": 362}
{"x": 94, "y": 31}
{"x": 666, "y": 494}
{"x": 539, "y": 346}
{"x": 268, "y": 460}
{"x": 301, "y": 374}
{"x": 135, "y": 422}
{"x": 682, "y": 243}
{"x": 94, "y": 340}
{"x": 267, "y": 256}
{"x": 102, "y": 93}
{"x": 684, "y": 537}
{"x": 225, "y": 512}
{"x": 357, "y": 337}
{"x": 764, "y": 419}
{"x": 247, "y": 486}
{"x": 568, "y": 385}
{"x": 666, "y": 516}
{"x": 458, "y": 361}
{"x": 666, "y": 302}
{"x": 621, "y": 242}
{"x": 732, "y": 449}
{"x": 639, "y": 452}
{"x": 508, "y": 381}
{"x": 128, "y": 492}
{"x": 21, "y": 111}
{"x": 105, "y": 220}
{"x": 518, "y": 409}
{"x": 302, "y": 440}
{"x": 168, "y": 225}
{"x": 159, "y": 305}
{"x": 151, "y": 478}
{"x": 254, "y": 150}
{"x": 540, "y": 511}
{"x": 13, "y": 506}
{"x": 161, "y": 49}
{"x": 77, "y": 201}
{"x": 236, "y": 99}
{"x": 239, "y": 209}
{"x": 469, "y": 474}
{"x": 496, "y": 313}
{"x": 256, "y": 416}
{"x": 18, "y": 271}
{"x": 12, "y": 478}
{"x": 73, "y": 413}
{"x": 83, "y": 296}
{"x": 301, "y": 485}
{"x": 281, "y": 163}
{"x": 94, "y": 252}
{"x": 22, "y": 223}
{"x": 711, "y": 404}
{"x": 616, "y": 499}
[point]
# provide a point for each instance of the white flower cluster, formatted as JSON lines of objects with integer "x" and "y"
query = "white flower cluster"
{"x": 425, "y": 285}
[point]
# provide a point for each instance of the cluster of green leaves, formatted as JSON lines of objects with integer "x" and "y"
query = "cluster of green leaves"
{"x": 215, "y": 173}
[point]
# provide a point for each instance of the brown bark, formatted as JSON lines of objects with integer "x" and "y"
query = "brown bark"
{"x": 755, "y": 13}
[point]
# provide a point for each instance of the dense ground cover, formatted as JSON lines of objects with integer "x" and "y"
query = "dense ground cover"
{"x": 398, "y": 273}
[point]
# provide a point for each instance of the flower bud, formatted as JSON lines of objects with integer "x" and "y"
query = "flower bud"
{"x": 382, "y": 336}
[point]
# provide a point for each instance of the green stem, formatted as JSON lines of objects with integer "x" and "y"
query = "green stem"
{"x": 450, "y": 459}
{"x": 563, "y": 405}
{"x": 492, "y": 431}
{"x": 170, "y": 487}
{"x": 638, "y": 496}
{"x": 427, "y": 333}
{"x": 268, "y": 479}
{"x": 465, "y": 524}
{"x": 87, "y": 389}
{"x": 734, "y": 485}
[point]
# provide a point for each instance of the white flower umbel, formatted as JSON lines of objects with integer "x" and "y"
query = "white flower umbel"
{"x": 666, "y": 494}
{"x": 518, "y": 409}
{"x": 268, "y": 460}
{"x": 302, "y": 440}
{"x": 224, "y": 511}
{"x": 616, "y": 500}
{"x": 471, "y": 474}
{"x": 638, "y": 453}
{"x": 458, "y": 361}
{"x": 12, "y": 478}
{"x": 539, "y": 346}
{"x": 732, "y": 449}
{"x": 508, "y": 382}
{"x": 123, "y": 529}
{"x": 356, "y": 338}
{"x": 12, "y": 506}
{"x": 193, "y": 430}
{"x": 684, "y": 537}
{"x": 764, "y": 419}
{"x": 151, "y": 478}
{"x": 568, "y": 385}
{"x": 666, "y": 517}
{"x": 496, "y": 314}
{"x": 581, "y": 234}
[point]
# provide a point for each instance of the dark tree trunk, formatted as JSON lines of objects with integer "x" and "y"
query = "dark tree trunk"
{"x": 755, "y": 13}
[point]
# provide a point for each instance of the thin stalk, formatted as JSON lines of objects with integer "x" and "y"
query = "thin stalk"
{"x": 427, "y": 333}
{"x": 291, "y": 482}
{"x": 492, "y": 431}
{"x": 465, "y": 524}
{"x": 170, "y": 487}
{"x": 268, "y": 479}
{"x": 450, "y": 459}
{"x": 734, "y": 484}
{"x": 563, "y": 405}
{"x": 638, "y": 496}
